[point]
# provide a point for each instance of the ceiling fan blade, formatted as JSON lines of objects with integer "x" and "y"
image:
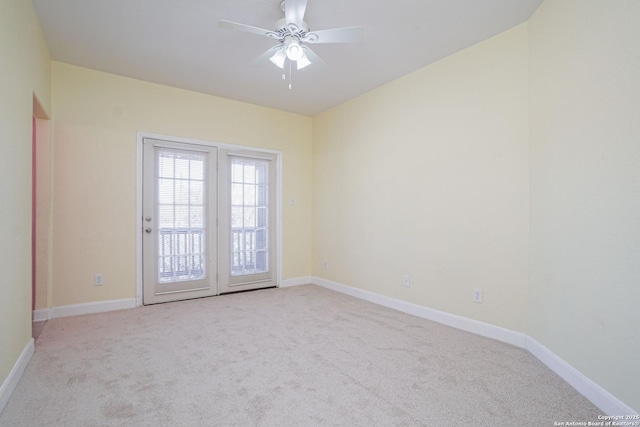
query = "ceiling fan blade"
{"x": 294, "y": 11}
{"x": 242, "y": 27}
{"x": 337, "y": 35}
{"x": 315, "y": 59}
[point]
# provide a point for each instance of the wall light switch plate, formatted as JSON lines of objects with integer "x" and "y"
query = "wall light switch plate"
{"x": 98, "y": 280}
{"x": 405, "y": 281}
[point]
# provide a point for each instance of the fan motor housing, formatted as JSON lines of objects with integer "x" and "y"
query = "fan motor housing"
{"x": 283, "y": 30}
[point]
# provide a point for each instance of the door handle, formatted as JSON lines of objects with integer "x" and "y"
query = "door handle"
{"x": 148, "y": 229}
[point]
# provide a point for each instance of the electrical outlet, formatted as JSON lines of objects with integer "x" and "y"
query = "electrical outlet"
{"x": 477, "y": 295}
{"x": 325, "y": 264}
{"x": 405, "y": 281}
{"x": 98, "y": 280}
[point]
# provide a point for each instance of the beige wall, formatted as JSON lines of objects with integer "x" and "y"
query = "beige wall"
{"x": 97, "y": 117}
{"x": 24, "y": 72}
{"x": 585, "y": 189}
{"x": 428, "y": 176}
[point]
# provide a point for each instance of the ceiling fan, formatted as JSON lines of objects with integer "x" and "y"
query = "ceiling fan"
{"x": 293, "y": 36}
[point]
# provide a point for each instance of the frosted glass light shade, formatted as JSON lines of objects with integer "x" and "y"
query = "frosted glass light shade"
{"x": 303, "y": 62}
{"x": 278, "y": 58}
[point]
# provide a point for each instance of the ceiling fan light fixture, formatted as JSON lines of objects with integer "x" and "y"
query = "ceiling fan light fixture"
{"x": 293, "y": 48}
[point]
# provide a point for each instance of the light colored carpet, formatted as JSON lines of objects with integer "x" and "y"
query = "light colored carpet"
{"x": 300, "y": 356}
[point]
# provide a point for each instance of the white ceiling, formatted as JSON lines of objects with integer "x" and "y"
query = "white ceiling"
{"x": 178, "y": 43}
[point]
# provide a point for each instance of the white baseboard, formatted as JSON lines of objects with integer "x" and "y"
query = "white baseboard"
{"x": 479, "y": 328}
{"x": 600, "y": 397}
{"x": 83, "y": 308}
{"x": 296, "y": 281}
{"x": 41, "y": 314}
{"x": 92, "y": 307}
{"x": 10, "y": 383}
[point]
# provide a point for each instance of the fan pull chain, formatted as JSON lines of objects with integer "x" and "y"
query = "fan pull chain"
{"x": 290, "y": 75}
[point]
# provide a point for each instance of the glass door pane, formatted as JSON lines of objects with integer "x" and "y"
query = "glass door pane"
{"x": 181, "y": 213}
{"x": 249, "y": 216}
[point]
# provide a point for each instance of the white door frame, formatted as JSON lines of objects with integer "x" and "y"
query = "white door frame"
{"x": 139, "y": 225}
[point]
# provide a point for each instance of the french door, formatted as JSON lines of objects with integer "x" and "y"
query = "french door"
{"x": 208, "y": 220}
{"x": 247, "y": 220}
